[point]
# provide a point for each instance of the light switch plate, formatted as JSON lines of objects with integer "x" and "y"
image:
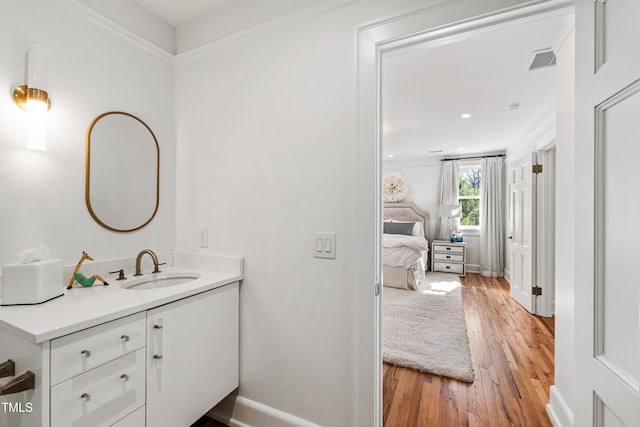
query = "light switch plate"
{"x": 324, "y": 245}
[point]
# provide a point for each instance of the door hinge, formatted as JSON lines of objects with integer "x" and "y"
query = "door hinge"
{"x": 377, "y": 289}
{"x": 536, "y": 291}
{"x": 536, "y": 168}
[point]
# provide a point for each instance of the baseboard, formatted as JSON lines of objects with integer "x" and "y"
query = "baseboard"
{"x": 472, "y": 268}
{"x": 507, "y": 275}
{"x": 238, "y": 411}
{"x": 558, "y": 410}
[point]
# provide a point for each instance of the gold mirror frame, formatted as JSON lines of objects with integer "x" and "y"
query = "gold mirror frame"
{"x": 88, "y": 172}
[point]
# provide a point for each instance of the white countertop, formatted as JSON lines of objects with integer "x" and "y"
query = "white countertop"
{"x": 80, "y": 308}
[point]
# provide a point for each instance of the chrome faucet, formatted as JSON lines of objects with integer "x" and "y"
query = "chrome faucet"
{"x": 154, "y": 257}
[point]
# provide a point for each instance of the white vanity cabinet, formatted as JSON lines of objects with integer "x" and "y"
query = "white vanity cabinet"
{"x": 165, "y": 365}
{"x": 192, "y": 356}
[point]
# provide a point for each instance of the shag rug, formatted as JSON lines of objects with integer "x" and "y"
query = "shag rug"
{"x": 425, "y": 330}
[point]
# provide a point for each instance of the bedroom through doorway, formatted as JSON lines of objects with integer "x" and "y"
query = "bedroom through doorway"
{"x": 469, "y": 95}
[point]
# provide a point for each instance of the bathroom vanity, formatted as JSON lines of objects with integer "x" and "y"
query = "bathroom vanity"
{"x": 162, "y": 354}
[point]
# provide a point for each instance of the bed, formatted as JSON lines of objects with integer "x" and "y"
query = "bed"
{"x": 405, "y": 245}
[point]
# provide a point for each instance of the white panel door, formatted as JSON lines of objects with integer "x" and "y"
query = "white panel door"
{"x": 607, "y": 206}
{"x": 520, "y": 239}
{"x": 192, "y": 356}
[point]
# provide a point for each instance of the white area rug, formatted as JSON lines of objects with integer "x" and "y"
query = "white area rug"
{"x": 425, "y": 329}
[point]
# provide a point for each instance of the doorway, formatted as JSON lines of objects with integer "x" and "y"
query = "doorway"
{"x": 373, "y": 42}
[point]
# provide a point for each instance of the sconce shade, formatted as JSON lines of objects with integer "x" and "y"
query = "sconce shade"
{"x": 33, "y": 97}
{"x": 36, "y": 125}
{"x": 37, "y": 67}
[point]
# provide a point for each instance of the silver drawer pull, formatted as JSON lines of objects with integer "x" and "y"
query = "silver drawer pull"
{"x": 85, "y": 353}
{"x": 124, "y": 377}
{"x": 125, "y": 338}
{"x": 157, "y": 356}
{"x": 86, "y": 397}
{"x": 157, "y": 326}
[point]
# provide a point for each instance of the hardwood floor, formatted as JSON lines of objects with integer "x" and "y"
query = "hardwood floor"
{"x": 513, "y": 359}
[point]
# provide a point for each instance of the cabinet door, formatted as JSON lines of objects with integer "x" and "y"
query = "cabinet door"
{"x": 192, "y": 356}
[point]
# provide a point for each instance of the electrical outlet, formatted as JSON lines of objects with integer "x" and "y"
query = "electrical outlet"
{"x": 203, "y": 238}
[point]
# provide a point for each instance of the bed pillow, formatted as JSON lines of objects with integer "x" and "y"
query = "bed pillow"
{"x": 405, "y": 228}
{"x": 417, "y": 227}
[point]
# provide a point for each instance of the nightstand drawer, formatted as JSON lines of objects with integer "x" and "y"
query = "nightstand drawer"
{"x": 448, "y": 257}
{"x": 447, "y": 248}
{"x": 448, "y": 267}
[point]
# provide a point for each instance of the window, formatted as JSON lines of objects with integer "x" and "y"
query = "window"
{"x": 469, "y": 196}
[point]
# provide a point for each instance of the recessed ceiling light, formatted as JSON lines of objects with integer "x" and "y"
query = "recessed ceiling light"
{"x": 389, "y": 155}
{"x": 461, "y": 149}
{"x": 465, "y": 115}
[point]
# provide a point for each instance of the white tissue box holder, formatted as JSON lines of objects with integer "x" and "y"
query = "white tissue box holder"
{"x": 33, "y": 283}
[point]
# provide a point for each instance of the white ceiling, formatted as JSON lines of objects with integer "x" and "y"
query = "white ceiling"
{"x": 426, "y": 89}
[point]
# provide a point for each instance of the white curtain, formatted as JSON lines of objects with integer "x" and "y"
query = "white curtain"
{"x": 492, "y": 217}
{"x": 448, "y": 194}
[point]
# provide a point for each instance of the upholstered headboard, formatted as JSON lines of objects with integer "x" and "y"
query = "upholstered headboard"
{"x": 407, "y": 212}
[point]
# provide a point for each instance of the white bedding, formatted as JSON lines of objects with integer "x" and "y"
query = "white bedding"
{"x": 399, "y": 250}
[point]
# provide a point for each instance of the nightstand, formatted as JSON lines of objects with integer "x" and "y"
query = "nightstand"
{"x": 449, "y": 257}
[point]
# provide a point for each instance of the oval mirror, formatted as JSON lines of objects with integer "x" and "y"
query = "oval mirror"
{"x": 123, "y": 172}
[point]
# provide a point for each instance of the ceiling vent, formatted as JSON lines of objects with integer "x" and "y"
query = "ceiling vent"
{"x": 543, "y": 59}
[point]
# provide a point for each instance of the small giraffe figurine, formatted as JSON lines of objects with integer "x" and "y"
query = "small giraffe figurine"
{"x": 84, "y": 281}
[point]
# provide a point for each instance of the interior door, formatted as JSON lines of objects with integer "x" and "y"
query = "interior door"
{"x": 520, "y": 244}
{"x": 607, "y": 230}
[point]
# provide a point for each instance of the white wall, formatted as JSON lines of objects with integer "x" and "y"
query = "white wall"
{"x": 91, "y": 70}
{"x": 265, "y": 158}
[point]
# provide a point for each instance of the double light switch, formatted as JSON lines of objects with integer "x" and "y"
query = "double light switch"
{"x": 324, "y": 245}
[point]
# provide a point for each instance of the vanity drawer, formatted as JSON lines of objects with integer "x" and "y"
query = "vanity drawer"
{"x": 448, "y": 267}
{"x": 102, "y": 396}
{"x": 137, "y": 419}
{"x": 447, "y": 248}
{"x": 74, "y": 354}
{"x": 448, "y": 257}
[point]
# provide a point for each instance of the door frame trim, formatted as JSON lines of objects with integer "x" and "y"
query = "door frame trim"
{"x": 456, "y": 18}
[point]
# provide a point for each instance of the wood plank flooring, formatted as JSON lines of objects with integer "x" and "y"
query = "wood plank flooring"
{"x": 513, "y": 360}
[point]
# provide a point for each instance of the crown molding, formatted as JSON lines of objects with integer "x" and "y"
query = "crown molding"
{"x": 119, "y": 30}
{"x": 272, "y": 25}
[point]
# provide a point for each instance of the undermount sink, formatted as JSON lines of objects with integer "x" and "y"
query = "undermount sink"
{"x": 160, "y": 280}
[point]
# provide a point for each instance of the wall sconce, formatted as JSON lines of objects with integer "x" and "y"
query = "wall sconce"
{"x": 33, "y": 98}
